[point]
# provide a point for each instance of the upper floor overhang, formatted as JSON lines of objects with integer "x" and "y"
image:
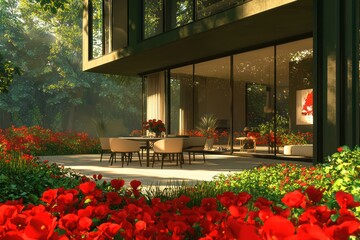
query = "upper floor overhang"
{"x": 251, "y": 25}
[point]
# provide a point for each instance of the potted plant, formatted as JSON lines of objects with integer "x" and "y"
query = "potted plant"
{"x": 206, "y": 127}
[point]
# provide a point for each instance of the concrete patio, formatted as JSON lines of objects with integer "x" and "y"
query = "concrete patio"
{"x": 89, "y": 164}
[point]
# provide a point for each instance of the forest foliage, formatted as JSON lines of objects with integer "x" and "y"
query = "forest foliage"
{"x": 43, "y": 39}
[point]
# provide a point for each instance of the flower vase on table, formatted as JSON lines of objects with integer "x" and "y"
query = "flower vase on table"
{"x": 154, "y": 127}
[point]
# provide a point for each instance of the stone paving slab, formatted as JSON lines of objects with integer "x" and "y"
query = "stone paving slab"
{"x": 89, "y": 164}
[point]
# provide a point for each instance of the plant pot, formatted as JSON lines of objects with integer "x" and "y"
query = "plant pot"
{"x": 209, "y": 143}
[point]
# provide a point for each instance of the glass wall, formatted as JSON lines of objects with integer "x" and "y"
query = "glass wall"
{"x": 254, "y": 100}
{"x": 181, "y": 12}
{"x": 108, "y": 31}
{"x": 96, "y": 29}
{"x": 153, "y": 18}
{"x": 266, "y": 101}
{"x": 164, "y": 15}
{"x": 155, "y": 95}
{"x": 294, "y": 93}
{"x": 181, "y": 100}
{"x": 212, "y": 97}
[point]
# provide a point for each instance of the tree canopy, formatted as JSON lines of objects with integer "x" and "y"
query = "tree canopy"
{"x": 52, "y": 5}
{"x": 52, "y": 90}
{"x": 7, "y": 72}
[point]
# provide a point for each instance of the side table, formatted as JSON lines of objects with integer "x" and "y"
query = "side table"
{"x": 243, "y": 141}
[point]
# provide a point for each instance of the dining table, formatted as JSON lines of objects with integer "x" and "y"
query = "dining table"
{"x": 147, "y": 140}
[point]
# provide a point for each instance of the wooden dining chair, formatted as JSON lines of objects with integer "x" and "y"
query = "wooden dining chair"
{"x": 105, "y": 147}
{"x": 126, "y": 148}
{"x": 173, "y": 147}
{"x": 194, "y": 145}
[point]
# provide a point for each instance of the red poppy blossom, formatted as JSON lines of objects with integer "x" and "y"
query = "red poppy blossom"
{"x": 345, "y": 200}
{"x": 117, "y": 183}
{"x": 69, "y": 222}
{"x": 316, "y": 215}
{"x": 227, "y": 199}
{"x": 177, "y": 227}
{"x": 243, "y": 198}
{"x": 310, "y": 231}
{"x": 135, "y": 184}
{"x": 87, "y": 212}
{"x": 238, "y": 212}
{"x": 140, "y": 225}
{"x": 262, "y": 203}
{"x": 101, "y": 211}
{"x": 344, "y": 230}
{"x": 113, "y": 198}
{"x": 65, "y": 199}
{"x": 17, "y": 222}
{"x": 84, "y": 223}
{"x": 40, "y": 226}
{"x": 7, "y": 211}
{"x": 314, "y": 194}
{"x": 277, "y": 227}
{"x": 13, "y": 235}
{"x": 294, "y": 199}
{"x": 208, "y": 204}
{"x": 49, "y": 196}
{"x": 87, "y": 187}
{"x": 240, "y": 231}
{"x": 265, "y": 214}
{"x": 109, "y": 229}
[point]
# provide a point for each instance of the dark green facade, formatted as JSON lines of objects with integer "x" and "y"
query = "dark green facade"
{"x": 333, "y": 26}
{"x": 336, "y": 44}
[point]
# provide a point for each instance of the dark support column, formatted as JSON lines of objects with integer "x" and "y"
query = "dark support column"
{"x": 135, "y": 22}
{"x": 336, "y": 98}
{"x": 351, "y": 73}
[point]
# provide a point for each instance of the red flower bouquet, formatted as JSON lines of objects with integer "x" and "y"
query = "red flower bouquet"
{"x": 156, "y": 126}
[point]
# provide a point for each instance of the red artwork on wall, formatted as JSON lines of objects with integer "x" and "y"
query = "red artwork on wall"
{"x": 304, "y": 107}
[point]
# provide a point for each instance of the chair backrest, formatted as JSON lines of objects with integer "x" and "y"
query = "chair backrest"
{"x": 105, "y": 143}
{"x": 194, "y": 142}
{"x": 124, "y": 145}
{"x": 168, "y": 145}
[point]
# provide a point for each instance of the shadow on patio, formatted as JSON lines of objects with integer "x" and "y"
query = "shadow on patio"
{"x": 89, "y": 164}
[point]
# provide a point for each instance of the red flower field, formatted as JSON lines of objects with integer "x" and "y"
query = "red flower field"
{"x": 89, "y": 212}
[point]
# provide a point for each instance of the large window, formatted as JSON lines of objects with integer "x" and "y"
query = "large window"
{"x": 213, "y": 96}
{"x": 266, "y": 101}
{"x": 109, "y": 31}
{"x": 155, "y": 96}
{"x": 181, "y": 12}
{"x": 182, "y": 97}
{"x": 254, "y": 97}
{"x": 294, "y": 95}
{"x": 96, "y": 38}
{"x": 153, "y": 17}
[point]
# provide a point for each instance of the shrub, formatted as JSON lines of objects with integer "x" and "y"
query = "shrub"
{"x": 344, "y": 167}
{"x": 40, "y": 142}
{"x": 24, "y": 177}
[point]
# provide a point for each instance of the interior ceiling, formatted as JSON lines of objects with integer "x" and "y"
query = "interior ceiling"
{"x": 290, "y": 20}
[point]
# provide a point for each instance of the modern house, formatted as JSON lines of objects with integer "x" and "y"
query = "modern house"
{"x": 283, "y": 74}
